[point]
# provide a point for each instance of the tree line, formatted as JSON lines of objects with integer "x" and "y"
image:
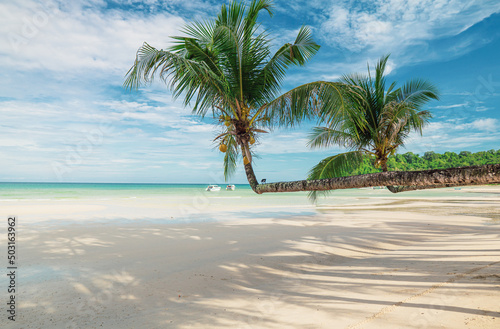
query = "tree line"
{"x": 430, "y": 160}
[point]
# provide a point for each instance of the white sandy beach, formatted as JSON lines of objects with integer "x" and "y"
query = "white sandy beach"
{"x": 409, "y": 262}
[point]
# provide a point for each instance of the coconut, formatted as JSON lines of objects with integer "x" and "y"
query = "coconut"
{"x": 245, "y": 160}
{"x": 223, "y": 148}
{"x": 252, "y": 140}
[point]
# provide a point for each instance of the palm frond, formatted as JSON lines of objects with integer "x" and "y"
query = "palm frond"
{"x": 417, "y": 92}
{"x": 230, "y": 157}
{"x": 185, "y": 76}
{"x": 325, "y": 137}
{"x": 148, "y": 60}
{"x": 323, "y": 99}
{"x": 256, "y": 6}
{"x": 202, "y": 31}
{"x": 272, "y": 74}
{"x": 379, "y": 84}
{"x": 335, "y": 166}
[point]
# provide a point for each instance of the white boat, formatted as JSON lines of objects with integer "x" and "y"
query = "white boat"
{"x": 230, "y": 187}
{"x": 213, "y": 188}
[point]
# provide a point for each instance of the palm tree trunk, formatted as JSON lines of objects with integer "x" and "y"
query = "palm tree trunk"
{"x": 463, "y": 176}
{"x": 398, "y": 189}
{"x": 249, "y": 171}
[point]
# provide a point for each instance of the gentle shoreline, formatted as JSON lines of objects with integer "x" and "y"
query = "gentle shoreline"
{"x": 412, "y": 262}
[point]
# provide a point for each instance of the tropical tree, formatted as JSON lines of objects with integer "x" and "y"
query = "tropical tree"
{"x": 225, "y": 66}
{"x": 379, "y": 119}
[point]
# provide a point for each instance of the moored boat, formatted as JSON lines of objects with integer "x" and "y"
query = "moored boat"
{"x": 213, "y": 188}
{"x": 230, "y": 187}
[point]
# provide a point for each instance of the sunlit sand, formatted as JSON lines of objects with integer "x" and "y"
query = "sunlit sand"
{"x": 390, "y": 262}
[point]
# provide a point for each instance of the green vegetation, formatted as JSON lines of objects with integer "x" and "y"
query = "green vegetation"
{"x": 375, "y": 121}
{"x": 430, "y": 160}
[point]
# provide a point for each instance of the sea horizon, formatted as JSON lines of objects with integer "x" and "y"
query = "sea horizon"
{"x": 85, "y": 190}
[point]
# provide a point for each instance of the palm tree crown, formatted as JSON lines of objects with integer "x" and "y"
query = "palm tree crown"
{"x": 225, "y": 66}
{"x": 376, "y": 120}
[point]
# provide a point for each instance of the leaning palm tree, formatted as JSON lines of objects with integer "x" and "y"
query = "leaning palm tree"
{"x": 380, "y": 119}
{"x": 225, "y": 67}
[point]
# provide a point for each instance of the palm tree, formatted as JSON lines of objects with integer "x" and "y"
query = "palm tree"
{"x": 226, "y": 67}
{"x": 379, "y": 120}
{"x": 368, "y": 119}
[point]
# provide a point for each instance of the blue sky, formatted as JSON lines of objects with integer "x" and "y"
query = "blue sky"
{"x": 64, "y": 116}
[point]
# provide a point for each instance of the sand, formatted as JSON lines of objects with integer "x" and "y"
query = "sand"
{"x": 405, "y": 263}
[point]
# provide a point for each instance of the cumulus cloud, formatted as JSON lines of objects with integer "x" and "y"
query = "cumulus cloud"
{"x": 121, "y": 135}
{"x": 455, "y": 136}
{"x": 73, "y": 38}
{"x": 387, "y": 25}
{"x": 288, "y": 142}
{"x": 485, "y": 124}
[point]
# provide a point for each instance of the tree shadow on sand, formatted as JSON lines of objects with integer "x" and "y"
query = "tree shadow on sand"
{"x": 230, "y": 275}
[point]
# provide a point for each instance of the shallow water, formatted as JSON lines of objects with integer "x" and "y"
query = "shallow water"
{"x": 103, "y": 191}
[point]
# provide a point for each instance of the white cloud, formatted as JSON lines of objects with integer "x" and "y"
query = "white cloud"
{"x": 390, "y": 25}
{"x": 71, "y": 39}
{"x": 287, "y": 142}
{"x": 452, "y": 106}
{"x": 454, "y": 136}
{"x": 124, "y": 136}
{"x": 485, "y": 124}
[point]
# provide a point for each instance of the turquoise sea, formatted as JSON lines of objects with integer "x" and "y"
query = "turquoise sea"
{"x": 75, "y": 191}
{"x": 56, "y": 191}
{"x": 100, "y": 202}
